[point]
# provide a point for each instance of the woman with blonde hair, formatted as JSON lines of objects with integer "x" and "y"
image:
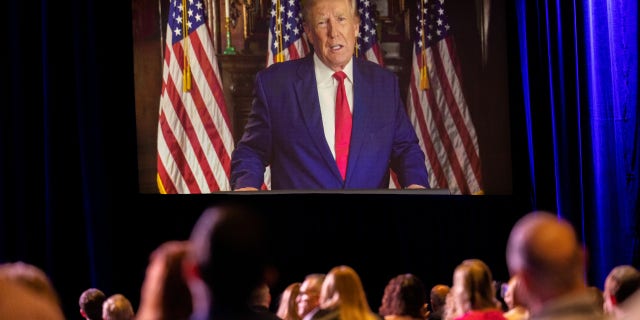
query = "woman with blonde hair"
{"x": 288, "y": 308}
{"x": 342, "y": 297}
{"x": 473, "y": 293}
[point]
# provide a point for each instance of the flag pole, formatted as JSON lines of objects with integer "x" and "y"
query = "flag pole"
{"x": 227, "y": 23}
{"x": 424, "y": 72}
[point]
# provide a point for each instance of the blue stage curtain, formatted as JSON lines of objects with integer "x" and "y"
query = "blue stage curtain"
{"x": 579, "y": 75}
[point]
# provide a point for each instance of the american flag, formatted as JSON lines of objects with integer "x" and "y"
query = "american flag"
{"x": 286, "y": 37}
{"x": 194, "y": 132}
{"x": 367, "y": 46}
{"x": 437, "y": 107}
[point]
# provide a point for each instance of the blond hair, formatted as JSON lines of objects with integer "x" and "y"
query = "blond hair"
{"x": 342, "y": 290}
{"x": 288, "y": 308}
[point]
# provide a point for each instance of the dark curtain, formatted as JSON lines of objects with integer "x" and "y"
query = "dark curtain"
{"x": 68, "y": 140}
{"x": 579, "y": 80}
{"x": 67, "y": 132}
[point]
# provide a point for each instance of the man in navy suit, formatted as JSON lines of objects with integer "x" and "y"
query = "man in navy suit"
{"x": 291, "y": 125}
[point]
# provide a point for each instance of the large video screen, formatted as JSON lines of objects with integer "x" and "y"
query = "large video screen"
{"x": 477, "y": 55}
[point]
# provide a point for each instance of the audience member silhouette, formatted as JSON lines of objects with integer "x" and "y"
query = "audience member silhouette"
{"x": 26, "y": 293}
{"x": 621, "y": 283}
{"x": 260, "y": 301}
{"x": 404, "y": 298}
{"x": 228, "y": 260}
{"x": 516, "y": 310}
{"x": 544, "y": 252}
{"x": 117, "y": 307}
{"x": 309, "y": 298}
{"x": 165, "y": 294}
{"x": 473, "y": 292}
{"x": 90, "y": 303}
{"x": 31, "y": 276}
{"x": 438, "y": 299}
{"x": 287, "y": 306}
{"x": 342, "y": 297}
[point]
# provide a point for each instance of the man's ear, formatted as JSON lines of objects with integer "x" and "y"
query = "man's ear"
{"x": 82, "y": 313}
{"x": 612, "y": 297}
{"x": 190, "y": 270}
{"x": 525, "y": 281}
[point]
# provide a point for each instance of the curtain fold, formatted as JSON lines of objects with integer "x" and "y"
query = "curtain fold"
{"x": 580, "y": 100}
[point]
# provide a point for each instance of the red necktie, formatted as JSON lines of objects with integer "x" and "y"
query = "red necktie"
{"x": 343, "y": 125}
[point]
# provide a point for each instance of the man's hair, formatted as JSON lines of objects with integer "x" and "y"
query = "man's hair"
{"x": 91, "y": 303}
{"x": 622, "y": 282}
{"x": 117, "y": 307}
{"x": 438, "y": 296}
{"x": 547, "y": 247}
{"x": 31, "y": 276}
{"x": 229, "y": 239}
{"x": 309, "y": 4}
{"x": 316, "y": 280}
{"x": 261, "y": 296}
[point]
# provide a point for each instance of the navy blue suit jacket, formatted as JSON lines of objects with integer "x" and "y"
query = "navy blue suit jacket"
{"x": 285, "y": 131}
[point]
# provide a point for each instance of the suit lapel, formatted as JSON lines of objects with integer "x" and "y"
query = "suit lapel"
{"x": 309, "y": 103}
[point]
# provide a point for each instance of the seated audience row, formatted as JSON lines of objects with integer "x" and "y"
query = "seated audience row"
{"x": 192, "y": 280}
{"x": 544, "y": 257}
{"x": 95, "y": 305}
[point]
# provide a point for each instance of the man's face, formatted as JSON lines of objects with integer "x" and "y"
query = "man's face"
{"x": 308, "y": 299}
{"x": 509, "y": 291}
{"x": 332, "y": 27}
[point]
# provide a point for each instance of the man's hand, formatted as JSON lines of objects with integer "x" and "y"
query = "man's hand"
{"x": 246, "y": 189}
{"x": 415, "y": 186}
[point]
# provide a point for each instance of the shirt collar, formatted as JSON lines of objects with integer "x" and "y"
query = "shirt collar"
{"x": 324, "y": 72}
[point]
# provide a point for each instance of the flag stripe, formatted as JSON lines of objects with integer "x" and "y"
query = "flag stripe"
{"x": 441, "y": 120}
{"x": 438, "y": 178}
{"x": 178, "y": 159}
{"x": 447, "y": 117}
{"x": 184, "y": 108}
{"x": 471, "y": 145}
{"x": 374, "y": 54}
{"x": 217, "y": 126}
{"x": 455, "y": 99}
{"x": 164, "y": 180}
{"x": 210, "y": 73}
{"x": 200, "y": 133}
